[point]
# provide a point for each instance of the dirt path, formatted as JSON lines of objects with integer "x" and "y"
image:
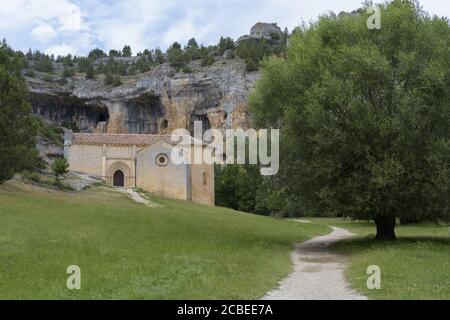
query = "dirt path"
{"x": 137, "y": 197}
{"x": 318, "y": 273}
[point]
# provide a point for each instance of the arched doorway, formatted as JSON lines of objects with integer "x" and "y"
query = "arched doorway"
{"x": 119, "y": 179}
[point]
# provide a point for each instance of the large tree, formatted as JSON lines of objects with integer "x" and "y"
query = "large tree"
{"x": 365, "y": 115}
{"x": 17, "y": 126}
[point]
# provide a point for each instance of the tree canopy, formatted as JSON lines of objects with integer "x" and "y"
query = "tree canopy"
{"x": 364, "y": 116}
{"x": 17, "y": 126}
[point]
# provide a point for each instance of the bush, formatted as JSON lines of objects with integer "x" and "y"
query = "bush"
{"x": 30, "y": 73}
{"x": 44, "y": 64}
{"x": 51, "y": 133}
{"x": 32, "y": 176}
{"x": 48, "y": 78}
{"x": 251, "y": 65}
{"x": 68, "y": 72}
{"x": 109, "y": 79}
{"x": 186, "y": 69}
{"x": 176, "y": 56}
{"x": 126, "y": 52}
{"x": 59, "y": 167}
{"x": 117, "y": 81}
{"x": 208, "y": 60}
{"x": 90, "y": 72}
{"x": 96, "y": 54}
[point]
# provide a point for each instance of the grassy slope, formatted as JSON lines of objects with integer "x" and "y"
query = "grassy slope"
{"x": 417, "y": 266}
{"x": 127, "y": 250}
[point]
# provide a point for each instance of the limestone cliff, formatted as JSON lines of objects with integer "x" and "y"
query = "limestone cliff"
{"x": 154, "y": 102}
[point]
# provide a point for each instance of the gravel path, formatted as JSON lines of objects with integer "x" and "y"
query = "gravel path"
{"x": 137, "y": 197}
{"x": 318, "y": 273}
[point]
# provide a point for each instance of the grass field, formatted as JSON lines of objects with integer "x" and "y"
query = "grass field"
{"x": 417, "y": 266}
{"x": 129, "y": 251}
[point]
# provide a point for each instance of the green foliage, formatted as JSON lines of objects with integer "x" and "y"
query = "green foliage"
{"x": 83, "y": 64}
{"x": 96, "y": 54}
{"x": 116, "y": 67}
{"x": 176, "y": 56}
{"x": 49, "y": 78}
{"x": 68, "y": 72}
{"x": 364, "y": 114}
{"x": 114, "y": 53}
{"x": 236, "y": 186}
{"x": 159, "y": 56}
{"x": 208, "y": 60}
{"x": 116, "y": 81}
{"x": 59, "y": 167}
{"x": 252, "y": 51}
{"x": 111, "y": 80}
{"x": 144, "y": 63}
{"x": 43, "y": 64}
{"x": 186, "y": 69}
{"x": 17, "y": 126}
{"x": 32, "y": 176}
{"x": 30, "y": 73}
{"x": 192, "y": 50}
{"x": 251, "y": 65}
{"x": 229, "y": 54}
{"x": 126, "y": 51}
{"x": 90, "y": 71}
{"x": 224, "y": 45}
{"x": 50, "y": 132}
{"x": 67, "y": 61}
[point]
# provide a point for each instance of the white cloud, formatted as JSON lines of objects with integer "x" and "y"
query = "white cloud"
{"x": 61, "y": 50}
{"x": 43, "y": 33}
{"x": 65, "y": 15}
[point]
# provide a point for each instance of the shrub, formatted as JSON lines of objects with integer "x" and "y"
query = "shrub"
{"x": 68, "y": 72}
{"x": 59, "y": 167}
{"x": 186, "y": 69}
{"x": 117, "y": 81}
{"x": 208, "y": 60}
{"x": 30, "y": 73}
{"x": 32, "y": 176}
{"x": 251, "y": 65}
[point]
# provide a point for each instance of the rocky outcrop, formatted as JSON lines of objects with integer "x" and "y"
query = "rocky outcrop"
{"x": 154, "y": 102}
{"x": 264, "y": 31}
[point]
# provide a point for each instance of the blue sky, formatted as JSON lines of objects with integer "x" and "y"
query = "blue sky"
{"x": 77, "y": 26}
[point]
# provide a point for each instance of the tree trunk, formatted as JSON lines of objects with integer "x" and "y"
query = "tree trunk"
{"x": 385, "y": 228}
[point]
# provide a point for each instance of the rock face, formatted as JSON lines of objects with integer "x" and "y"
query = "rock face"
{"x": 264, "y": 31}
{"x": 158, "y": 101}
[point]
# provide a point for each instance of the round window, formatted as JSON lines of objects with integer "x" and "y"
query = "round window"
{"x": 162, "y": 160}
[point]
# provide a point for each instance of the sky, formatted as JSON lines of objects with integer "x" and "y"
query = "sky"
{"x": 77, "y": 26}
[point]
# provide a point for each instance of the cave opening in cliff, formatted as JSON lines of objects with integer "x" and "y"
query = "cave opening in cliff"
{"x": 103, "y": 115}
{"x": 144, "y": 114}
{"x": 203, "y": 118}
{"x": 164, "y": 124}
{"x": 68, "y": 111}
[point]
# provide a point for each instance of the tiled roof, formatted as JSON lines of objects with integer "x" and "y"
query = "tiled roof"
{"x": 121, "y": 139}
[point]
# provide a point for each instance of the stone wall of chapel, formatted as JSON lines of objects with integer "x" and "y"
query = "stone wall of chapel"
{"x": 202, "y": 183}
{"x": 86, "y": 159}
{"x": 168, "y": 180}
